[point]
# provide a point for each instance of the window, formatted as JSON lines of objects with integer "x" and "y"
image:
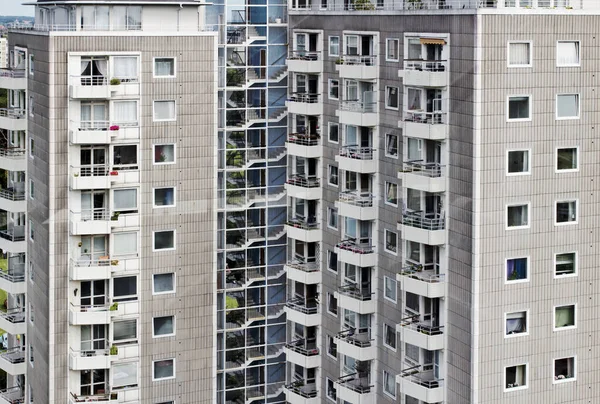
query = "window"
{"x": 332, "y": 218}
{"x": 331, "y": 347}
{"x": 124, "y": 374}
{"x": 332, "y": 261}
{"x": 333, "y": 132}
{"x": 564, "y": 370}
{"x": 163, "y": 326}
{"x": 331, "y": 391}
{"x": 127, "y": 18}
{"x": 333, "y": 176}
{"x": 391, "y": 194}
{"x": 164, "y": 197}
{"x": 31, "y": 230}
{"x": 163, "y": 369}
{"x": 566, "y": 212}
{"x": 517, "y": 216}
{"x": 31, "y": 313}
{"x": 164, "y": 110}
{"x": 351, "y": 45}
{"x": 164, "y": 67}
{"x": 334, "y": 46}
{"x": 391, "y": 145}
{"x": 391, "y": 241}
{"x": 125, "y": 288}
{"x": 125, "y": 331}
{"x": 31, "y": 65}
{"x": 163, "y": 283}
{"x": 392, "y": 49}
{"x": 567, "y": 53}
{"x": 334, "y": 89}
{"x": 125, "y": 68}
{"x": 31, "y": 147}
{"x": 516, "y": 269}
{"x": 391, "y": 97}
{"x": 125, "y": 244}
{"x": 515, "y": 377}
{"x": 125, "y": 157}
{"x": 31, "y": 356}
{"x": 332, "y": 307}
{"x": 516, "y": 323}
{"x": 389, "y": 384}
{"x": 164, "y": 240}
{"x": 565, "y": 264}
{"x": 125, "y": 200}
{"x": 31, "y": 272}
{"x": 519, "y": 54}
{"x": 567, "y": 106}
{"x": 564, "y": 317}
{"x": 31, "y": 106}
{"x": 31, "y": 189}
{"x": 390, "y": 288}
{"x": 389, "y": 336}
{"x": 519, "y": 108}
{"x": 567, "y": 159}
{"x": 125, "y": 113}
{"x": 518, "y": 162}
{"x": 164, "y": 154}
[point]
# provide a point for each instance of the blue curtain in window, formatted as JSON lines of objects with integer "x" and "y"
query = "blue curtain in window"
{"x": 516, "y": 268}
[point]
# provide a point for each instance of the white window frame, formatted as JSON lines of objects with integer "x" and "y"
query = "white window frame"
{"x": 164, "y": 231}
{"x": 154, "y": 206}
{"x": 528, "y": 204}
{"x": 385, "y": 190}
{"x": 327, "y": 380}
{"x": 530, "y": 43}
{"x": 327, "y": 304}
{"x": 575, "y": 265}
{"x": 329, "y": 168}
{"x": 387, "y": 57}
{"x": 576, "y": 221}
{"x": 31, "y": 189}
{"x": 329, "y": 45}
{"x": 526, "y": 386}
{"x": 31, "y": 147}
{"x": 567, "y": 118}
{"x": 388, "y": 135}
{"x": 329, "y": 339}
{"x": 571, "y": 379}
{"x": 508, "y": 97}
{"x": 174, "y": 276}
{"x": 164, "y": 77}
{"x": 506, "y": 280}
{"x": 385, "y": 279}
{"x": 330, "y": 210}
{"x": 397, "y": 97}
{"x": 162, "y": 163}
{"x": 528, "y": 172}
{"x": 154, "y": 379}
{"x": 578, "y": 47}
{"x": 569, "y": 327}
{"x": 329, "y": 86}
{"x": 568, "y": 170}
{"x": 31, "y": 64}
{"x": 163, "y": 120}
{"x": 329, "y": 125}
{"x": 385, "y": 232}
{"x": 31, "y": 231}
{"x": 329, "y": 252}
{"x": 521, "y": 334}
{"x": 165, "y": 335}
{"x": 387, "y": 393}
{"x": 395, "y": 336}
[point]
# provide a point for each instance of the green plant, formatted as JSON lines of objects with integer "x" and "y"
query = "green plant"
{"x": 115, "y": 82}
{"x": 75, "y": 175}
{"x": 114, "y": 262}
{"x": 114, "y": 306}
{"x": 363, "y": 5}
{"x": 115, "y": 216}
{"x": 415, "y": 4}
{"x": 114, "y": 350}
{"x": 339, "y": 61}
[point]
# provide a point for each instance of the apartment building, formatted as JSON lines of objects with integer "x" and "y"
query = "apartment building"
{"x": 108, "y": 204}
{"x": 3, "y": 52}
{"x": 440, "y": 182}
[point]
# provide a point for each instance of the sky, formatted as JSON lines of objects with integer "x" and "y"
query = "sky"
{"x": 14, "y": 7}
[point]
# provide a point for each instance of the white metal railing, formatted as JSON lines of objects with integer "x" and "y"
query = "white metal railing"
{"x": 91, "y": 262}
{"x": 369, "y": 60}
{"x": 306, "y": 224}
{"x": 304, "y": 55}
{"x": 14, "y": 355}
{"x": 12, "y": 152}
{"x": 166, "y": 27}
{"x": 355, "y": 247}
{"x": 428, "y": 276}
{"x": 312, "y": 266}
{"x": 357, "y": 152}
{"x": 432, "y": 118}
{"x": 416, "y": 5}
{"x": 14, "y": 113}
{"x": 303, "y": 139}
{"x": 432, "y": 170}
{"x": 12, "y": 194}
{"x": 98, "y": 170}
{"x": 90, "y": 80}
{"x": 98, "y": 308}
{"x": 91, "y": 125}
{"x": 12, "y": 73}
{"x": 361, "y": 199}
{"x": 91, "y": 214}
{"x": 77, "y": 398}
{"x": 92, "y": 351}
{"x": 301, "y": 181}
{"x": 426, "y": 65}
{"x": 358, "y": 106}
{"x": 422, "y": 220}
{"x": 304, "y": 97}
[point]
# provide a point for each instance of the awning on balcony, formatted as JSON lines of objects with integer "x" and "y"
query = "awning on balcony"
{"x": 433, "y": 41}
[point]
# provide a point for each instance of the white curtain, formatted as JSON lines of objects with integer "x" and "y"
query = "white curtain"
{"x": 564, "y": 316}
{"x": 392, "y": 193}
{"x": 519, "y": 54}
{"x": 86, "y": 113}
{"x": 164, "y": 67}
{"x": 163, "y": 283}
{"x": 125, "y": 112}
{"x": 164, "y": 110}
{"x": 102, "y": 67}
{"x": 125, "y": 243}
{"x": 125, "y": 199}
{"x": 119, "y": 17}
{"x": 414, "y": 49}
{"x": 567, "y": 105}
{"x": 351, "y": 136}
{"x": 88, "y": 17}
{"x": 414, "y": 99}
{"x": 102, "y": 17}
{"x": 125, "y": 67}
{"x": 414, "y": 149}
{"x": 351, "y": 90}
{"x": 124, "y": 374}
{"x": 352, "y": 45}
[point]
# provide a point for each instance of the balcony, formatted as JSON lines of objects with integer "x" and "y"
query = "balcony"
{"x": 357, "y": 205}
{"x": 307, "y": 273}
{"x": 425, "y": 125}
{"x": 13, "y": 119}
{"x": 358, "y": 300}
{"x": 357, "y": 159}
{"x": 303, "y": 311}
{"x": 12, "y": 361}
{"x": 88, "y": 222}
{"x": 12, "y": 199}
{"x": 299, "y": 392}
{"x": 88, "y": 315}
{"x": 104, "y": 398}
{"x": 13, "y": 79}
{"x": 118, "y": 220}
{"x": 91, "y": 132}
{"x": 87, "y": 268}
{"x": 421, "y": 334}
{"x": 12, "y": 395}
{"x": 358, "y": 113}
{"x": 128, "y": 87}
{"x": 424, "y": 228}
{"x": 302, "y": 187}
{"x": 355, "y": 390}
{"x": 303, "y": 353}
{"x": 358, "y": 67}
{"x": 423, "y": 282}
{"x": 13, "y": 159}
{"x": 12, "y": 276}
{"x": 359, "y": 254}
{"x": 125, "y": 175}
{"x": 305, "y": 104}
{"x": 306, "y": 230}
{"x": 425, "y": 73}
{"x": 121, "y": 264}
{"x": 90, "y": 359}
{"x": 360, "y": 346}
{"x": 423, "y": 386}
{"x": 12, "y": 239}
{"x": 304, "y": 145}
{"x": 13, "y": 321}
{"x": 427, "y": 177}
{"x": 91, "y": 177}
{"x": 301, "y": 61}
{"x": 89, "y": 87}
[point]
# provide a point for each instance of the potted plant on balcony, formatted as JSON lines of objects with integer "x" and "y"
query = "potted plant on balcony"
{"x": 114, "y": 306}
{"x": 363, "y": 5}
{"x": 115, "y": 81}
{"x": 114, "y": 262}
{"x": 115, "y": 216}
{"x": 114, "y": 128}
{"x": 114, "y": 350}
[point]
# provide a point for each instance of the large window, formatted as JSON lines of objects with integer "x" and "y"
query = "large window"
{"x": 519, "y": 54}
{"x": 125, "y": 157}
{"x": 519, "y": 108}
{"x": 164, "y": 197}
{"x": 567, "y": 53}
{"x": 164, "y": 240}
{"x": 125, "y": 244}
{"x": 125, "y": 200}
{"x": 567, "y": 106}
{"x": 516, "y": 323}
{"x": 125, "y": 288}
{"x": 389, "y": 336}
{"x": 124, "y": 374}
{"x": 125, "y": 68}
{"x": 125, "y": 113}
{"x": 566, "y": 212}
{"x": 518, "y": 162}
{"x": 564, "y": 370}
{"x": 567, "y": 159}
{"x": 163, "y": 369}
{"x": 517, "y": 216}
{"x": 164, "y": 110}
{"x": 390, "y": 288}
{"x": 515, "y": 377}
{"x": 163, "y": 326}
{"x": 389, "y": 384}
{"x": 125, "y": 331}
{"x": 163, "y": 283}
{"x": 565, "y": 264}
{"x": 564, "y": 317}
{"x": 127, "y": 18}
{"x": 334, "y": 46}
{"x": 95, "y": 18}
{"x": 164, "y": 67}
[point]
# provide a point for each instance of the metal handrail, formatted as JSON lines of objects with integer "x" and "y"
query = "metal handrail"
{"x": 91, "y": 308}
{"x": 351, "y": 337}
{"x": 431, "y": 170}
{"x": 92, "y": 125}
{"x": 357, "y": 198}
{"x": 12, "y": 73}
{"x": 12, "y": 195}
{"x": 96, "y": 170}
{"x": 15, "y": 113}
{"x": 303, "y": 140}
{"x": 300, "y": 346}
{"x": 369, "y": 60}
{"x": 304, "y": 266}
{"x": 357, "y": 106}
{"x": 375, "y": 8}
{"x": 9, "y": 354}
{"x": 96, "y": 262}
{"x": 91, "y": 352}
{"x": 426, "y": 65}
{"x": 302, "y": 223}
{"x": 302, "y": 181}
{"x": 359, "y": 387}
{"x": 92, "y": 398}
{"x": 296, "y": 387}
{"x": 13, "y": 395}
{"x": 428, "y": 276}
{"x": 9, "y": 234}
{"x": 352, "y": 290}
{"x": 357, "y": 152}
{"x": 14, "y": 316}
{"x": 432, "y": 118}
{"x": 305, "y": 97}
{"x": 300, "y": 305}
{"x": 13, "y": 275}
{"x": 423, "y": 327}
{"x": 304, "y": 55}
{"x": 353, "y": 246}
{"x": 12, "y": 152}
{"x": 92, "y": 79}
{"x": 101, "y": 214}
{"x": 425, "y": 381}
{"x": 422, "y": 220}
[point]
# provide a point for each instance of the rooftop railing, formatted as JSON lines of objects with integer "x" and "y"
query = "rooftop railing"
{"x": 418, "y": 5}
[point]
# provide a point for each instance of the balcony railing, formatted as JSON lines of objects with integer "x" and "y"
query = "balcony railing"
{"x": 422, "y": 378}
{"x": 355, "y": 383}
{"x": 15, "y": 273}
{"x": 431, "y": 170}
{"x": 303, "y": 305}
{"x": 302, "y": 265}
{"x": 14, "y": 355}
{"x": 13, "y": 395}
{"x": 304, "y": 97}
{"x": 374, "y": 7}
{"x": 303, "y": 139}
{"x": 419, "y": 272}
{"x": 355, "y": 60}
{"x": 355, "y": 292}
{"x": 422, "y": 327}
{"x": 353, "y": 246}
{"x": 305, "y": 182}
{"x": 11, "y": 194}
{"x": 80, "y": 398}
{"x": 91, "y": 214}
{"x": 360, "y": 199}
{"x": 432, "y": 118}
{"x": 12, "y": 73}
{"x": 87, "y": 353}
{"x": 14, "y": 316}
{"x": 356, "y": 152}
{"x": 94, "y": 308}
{"x": 91, "y": 80}
{"x": 304, "y": 55}
{"x": 13, "y": 234}
{"x": 84, "y": 262}
{"x": 422, "y": 220}
{"x": 303, "y": 347}
{"x": 98, "y": 170}
{"x": 14, "y": 113}
{"x": 303, "y": 389}
{"x": 360, "y": 340}
{"x": 357, "y": 106}
{"x": 426, "y": 65}
{"x": 12, "y": 152}
{"x": 304, "y": 224}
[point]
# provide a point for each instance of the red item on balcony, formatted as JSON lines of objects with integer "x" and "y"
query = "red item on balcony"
{"x": 114, "y": 173}
{"x": 114, "y": 127}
